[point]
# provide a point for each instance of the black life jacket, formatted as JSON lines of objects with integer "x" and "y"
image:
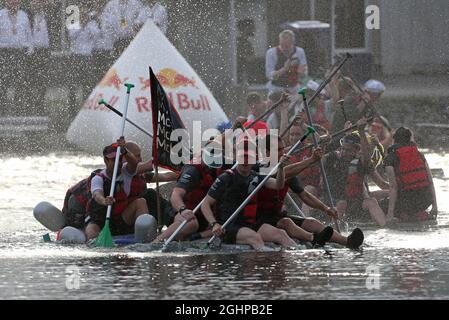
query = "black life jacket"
{"x": 249, "y": 213}
{"x": 81, "y": 192}
{"x": 208, "y": 176}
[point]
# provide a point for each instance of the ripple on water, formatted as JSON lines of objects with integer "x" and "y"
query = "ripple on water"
{"x": 407, "y": 264}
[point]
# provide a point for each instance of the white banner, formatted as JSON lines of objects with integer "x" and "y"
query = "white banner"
{"x": 95, "y": 126}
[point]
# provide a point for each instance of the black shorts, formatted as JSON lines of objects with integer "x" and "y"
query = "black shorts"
{"x": 97, "y": 215}
{"x": 411, "y": 202}
{"x": 298, "y": 220}
{"x": 231, "y": 231}
{"x": 271, "y": 218}
{"x": 355, "y": 211}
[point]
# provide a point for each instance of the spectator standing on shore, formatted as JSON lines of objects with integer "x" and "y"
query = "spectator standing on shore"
{"x": 245, "y": 50}
{"x": 82, "y": 44}
{"x": 285, "y": 65}
{"x": 120, "y": 22}
{"x": 155, "y": 11}
{"x": 15, "y": 43}
{"x": 39, "y": 60}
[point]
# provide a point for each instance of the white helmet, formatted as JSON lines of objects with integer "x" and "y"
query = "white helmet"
{"x": 374, "y": 86}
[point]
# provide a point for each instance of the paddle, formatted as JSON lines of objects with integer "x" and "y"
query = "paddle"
{"x": 320, "y": 88}
{"x": 103, "y": 102}
{"x": 295, "y": 205}
{"x": 315, "y": 142}
{"x": 310, "y": 130}
{"x": 104, "y": 239}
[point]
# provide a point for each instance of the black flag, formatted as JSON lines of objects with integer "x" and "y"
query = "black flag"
{"x": 165, "y": 120}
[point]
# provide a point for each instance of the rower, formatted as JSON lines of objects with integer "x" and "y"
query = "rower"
{"x": 128, "y": 205}
{"x": 347, "y": 169}
{"x": 230, "y": 190}
{"x": 192, "y": 186}
{"x": 411, "y": 184}
{"x": 270, "y": 209}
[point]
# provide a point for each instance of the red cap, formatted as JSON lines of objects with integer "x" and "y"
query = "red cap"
{"x": 258, "y": 126}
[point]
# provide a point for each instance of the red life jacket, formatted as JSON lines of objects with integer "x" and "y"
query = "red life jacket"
{"x": 312, "y": 174}
{"x": 81, "y": 192}
{"x": 208, "y": 176}
{"x": 270, "y": 201}
{"x": 411, "y": 173}
{"x": 122, "y": 200}
{"x": 290, "y": 78}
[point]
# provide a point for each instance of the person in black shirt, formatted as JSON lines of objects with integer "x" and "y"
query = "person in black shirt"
{"x": 230, "y": 190}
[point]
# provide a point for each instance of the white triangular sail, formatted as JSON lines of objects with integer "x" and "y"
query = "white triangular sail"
{"x": 95, "y": 126}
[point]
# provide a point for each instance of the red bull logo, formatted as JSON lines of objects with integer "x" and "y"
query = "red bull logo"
{"x": 112, "y": 79}
{"x": 170, "y": 78}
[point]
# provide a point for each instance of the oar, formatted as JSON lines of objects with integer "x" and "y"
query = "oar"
{"x": 295, "y": 205}
{"x": 310, "y": 130}
{"x": 321, "y": 87}
{"x": 103, "y": 102}
{"x": 315, "y": 142}
{"x": 334, "y": 135}
{"x": 104, "y": 239}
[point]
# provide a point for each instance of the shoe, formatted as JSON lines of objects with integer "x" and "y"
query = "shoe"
{"x": 324, "y": 236}
{"x": 355, "y": 239}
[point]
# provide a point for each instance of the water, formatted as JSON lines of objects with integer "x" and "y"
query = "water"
{"x": 395, "y": 264}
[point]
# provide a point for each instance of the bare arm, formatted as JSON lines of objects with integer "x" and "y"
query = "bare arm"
{"x": 379, "y": 181}
{"x": 143, "y": 167}
{"x": 99, "y": 197}
{"x": 206, "y": 209}
{"x": 279, "y": 182}
{"x": 294, "y": 169}
{"x": 166, "y": 177}
{"x": 432, "y": 190}
{"x": 177, "y": 198}
{"x": 316, "y": 203}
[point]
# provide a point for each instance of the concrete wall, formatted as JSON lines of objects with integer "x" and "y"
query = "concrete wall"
{"x": 414, "y": 36}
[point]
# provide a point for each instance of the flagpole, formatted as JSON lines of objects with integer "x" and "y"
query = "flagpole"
{"x": 158, "y": 200}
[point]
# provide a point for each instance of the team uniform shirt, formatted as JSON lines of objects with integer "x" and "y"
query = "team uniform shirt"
{"x": 118, "y": 19}
{"x": 40, "y": 31}
{"x": 230, "y": 191}
{"x": 189, "y": 178}
{"x": 15, "y": 33}
{"x": 84, "y": 39}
